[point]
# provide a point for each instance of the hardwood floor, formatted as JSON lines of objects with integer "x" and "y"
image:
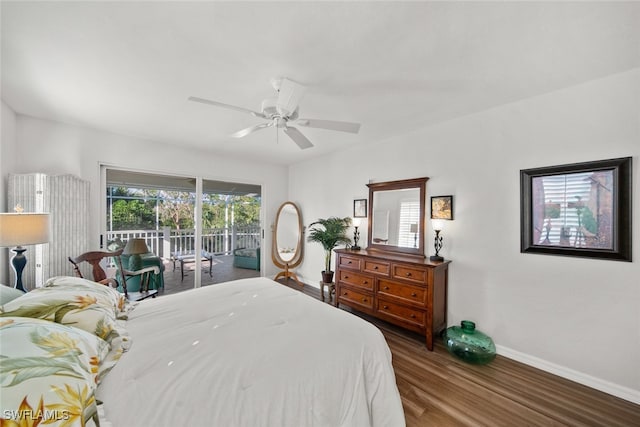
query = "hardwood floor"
{"x": 440, "y": 390}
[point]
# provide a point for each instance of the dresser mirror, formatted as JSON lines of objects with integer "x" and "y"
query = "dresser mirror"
{"x": 397, "y": 216}
{"x": 286, "y": 244}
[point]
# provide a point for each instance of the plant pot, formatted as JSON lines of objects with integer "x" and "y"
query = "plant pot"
{"x": 327, "y": 276}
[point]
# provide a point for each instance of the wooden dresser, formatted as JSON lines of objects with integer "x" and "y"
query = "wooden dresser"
{"x": 407, "y": 291}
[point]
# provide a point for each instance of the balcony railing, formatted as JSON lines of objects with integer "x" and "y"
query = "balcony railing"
{"x": 218, "y": 241}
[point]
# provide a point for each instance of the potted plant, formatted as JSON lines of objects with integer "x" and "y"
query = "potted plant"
{"x": 329, "y": 232}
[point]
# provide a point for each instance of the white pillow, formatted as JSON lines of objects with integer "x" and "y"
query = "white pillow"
{"x": 9, "y": 294}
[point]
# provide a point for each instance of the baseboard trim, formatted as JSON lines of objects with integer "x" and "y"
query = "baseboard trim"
{"x": 605, "y": 386}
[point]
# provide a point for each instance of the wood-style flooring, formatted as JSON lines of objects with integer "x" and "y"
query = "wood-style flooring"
{"x": 440, "y": 390}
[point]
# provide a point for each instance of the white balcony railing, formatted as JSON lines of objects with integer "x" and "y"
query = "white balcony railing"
{"x": 218, "y": 241}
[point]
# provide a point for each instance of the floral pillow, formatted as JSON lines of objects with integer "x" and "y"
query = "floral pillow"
{"x": 106, "y": 295}
{"x": 82, "y": 308}
{"x": 49, "y": 373}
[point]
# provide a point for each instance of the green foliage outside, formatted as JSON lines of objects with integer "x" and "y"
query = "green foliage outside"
{"x": 135, "y": 209}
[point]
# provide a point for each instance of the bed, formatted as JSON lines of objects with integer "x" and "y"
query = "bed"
{"x": 250, "y": 352}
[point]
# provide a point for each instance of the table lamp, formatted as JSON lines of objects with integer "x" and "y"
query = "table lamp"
{"x": 437, "y": 225}
{"x": 356, "y": 234}
{"x": 134, "y": 248}
{"x": 17, "y": 229}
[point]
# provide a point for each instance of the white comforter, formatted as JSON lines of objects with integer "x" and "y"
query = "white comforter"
{"x": 251, "y": 353}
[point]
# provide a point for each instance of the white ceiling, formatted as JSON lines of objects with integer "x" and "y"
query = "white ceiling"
{"x": 129, "y": 67}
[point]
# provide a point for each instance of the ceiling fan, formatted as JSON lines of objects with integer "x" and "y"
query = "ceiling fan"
{"x": 282, "y": 111}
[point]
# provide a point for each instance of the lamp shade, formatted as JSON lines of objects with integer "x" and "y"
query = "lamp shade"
{"x": 437, "y": 224}
{"x": 135, "y": 247}
{"x": 18, "y": 229}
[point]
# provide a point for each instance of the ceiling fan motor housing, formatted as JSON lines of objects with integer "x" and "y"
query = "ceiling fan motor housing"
{"x": 269, "y": 108}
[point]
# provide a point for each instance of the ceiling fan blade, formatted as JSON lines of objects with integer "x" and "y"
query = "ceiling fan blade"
{"x": 330, "y": 124}
{"x": 231, "y": 107}
{"x": 298, "y": 137}
{"x": 250, "y": 130}
{"x": 289, "y": 96}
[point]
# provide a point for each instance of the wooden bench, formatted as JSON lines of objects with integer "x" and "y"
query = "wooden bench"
{"x": 190, "y": 256}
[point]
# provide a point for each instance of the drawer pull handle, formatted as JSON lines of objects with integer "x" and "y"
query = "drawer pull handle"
{"x": 364, "y": 300}
{"x": 413, "y": 294}
{"x": 413, "y": 316}
{"x": 345, "y": 294}
{"x": 385, "y": 307}
{"x": 364, "y": 282}
{"x": 386, "y": 288}
{"x": 408, "y": 274}
{"x": 375, "y": 267}
{"x": 349, "y": 262}
{"x": 346, "y": 277}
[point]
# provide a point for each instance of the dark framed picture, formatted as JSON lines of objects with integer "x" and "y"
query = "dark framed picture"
{"x": 580, "y": 209}
{"x": 360, "y": 208}
{"x": 442, "y": 207}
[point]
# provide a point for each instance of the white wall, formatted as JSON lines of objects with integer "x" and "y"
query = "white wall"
{"x": 576, "y": 317}
{"x": 7, "y": 158}
{"x": 55, "y": 148}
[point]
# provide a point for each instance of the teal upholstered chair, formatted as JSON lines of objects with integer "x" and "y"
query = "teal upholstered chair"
{"x": 148, "y": 260}
{"x": 247, "y": 258}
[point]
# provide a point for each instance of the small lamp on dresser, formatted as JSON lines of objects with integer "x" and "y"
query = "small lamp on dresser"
{"x": 356, "y": 234}
{"x": 437, "y": 225}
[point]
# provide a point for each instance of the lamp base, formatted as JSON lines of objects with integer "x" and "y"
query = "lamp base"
{"x": 436, "y": 258}
{"x": 18, "y": 261}
{"x": 355, "y": 248}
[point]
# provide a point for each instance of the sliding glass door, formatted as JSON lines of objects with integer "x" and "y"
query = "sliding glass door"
{"x": 193, "y": 238}
{"x": 231, "y": 229}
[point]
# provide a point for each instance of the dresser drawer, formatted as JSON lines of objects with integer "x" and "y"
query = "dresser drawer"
{"x": 412, "y": 294}
{"x": 401, "y": 312}
{"x": 350, "y": 296}
{"x": 413, "y": 274}
{"x": 350, "y": 262}
{"x": 355, "y": 279}
{"x": 377, "y": 267}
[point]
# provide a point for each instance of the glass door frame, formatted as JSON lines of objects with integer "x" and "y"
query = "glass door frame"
{"x": 198, "y": 209}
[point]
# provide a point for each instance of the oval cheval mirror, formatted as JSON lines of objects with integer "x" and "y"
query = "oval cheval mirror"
{"x": 286, "y": 244}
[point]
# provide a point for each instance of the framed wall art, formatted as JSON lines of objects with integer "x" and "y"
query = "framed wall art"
{"x": 360, "y": 208}
{"x": 580, "y": 209}
{"x": 442, "y": 207}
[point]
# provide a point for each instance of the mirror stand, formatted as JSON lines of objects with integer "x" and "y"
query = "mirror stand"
{"x": 286, "y": 242}
{"x": 287, "y": 274}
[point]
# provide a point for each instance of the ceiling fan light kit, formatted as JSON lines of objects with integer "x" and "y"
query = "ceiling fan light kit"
{"x": 282, "y": 111}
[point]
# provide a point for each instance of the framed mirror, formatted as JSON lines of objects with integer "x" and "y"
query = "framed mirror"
{"x": 397, "y": 215}
{"x": 287, "y": 241}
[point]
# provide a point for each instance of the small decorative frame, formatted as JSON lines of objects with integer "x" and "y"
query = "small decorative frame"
{"x": 442, "y": 207}
{"x": 580, "y": 209}
{"x": 360, "y": 208}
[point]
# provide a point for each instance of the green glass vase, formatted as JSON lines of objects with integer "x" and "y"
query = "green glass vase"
{"x": 469, "y": 344}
